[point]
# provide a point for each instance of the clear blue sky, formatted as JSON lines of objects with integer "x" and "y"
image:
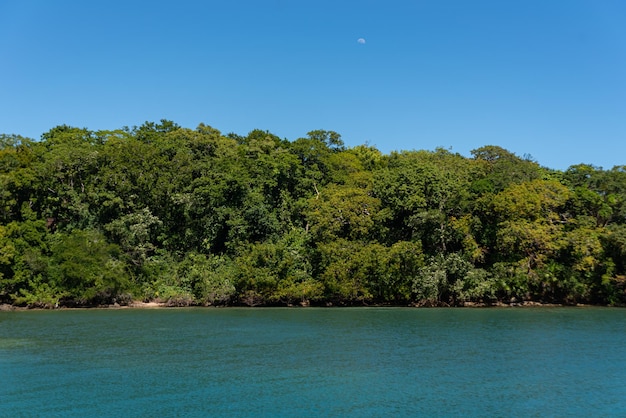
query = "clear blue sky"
{"x": 539, "y": 77}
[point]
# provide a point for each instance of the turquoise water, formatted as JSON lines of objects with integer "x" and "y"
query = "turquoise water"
{"x": 314, "y": 362}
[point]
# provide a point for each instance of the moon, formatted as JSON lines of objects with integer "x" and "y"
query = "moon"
{"x": 361, "y": 40}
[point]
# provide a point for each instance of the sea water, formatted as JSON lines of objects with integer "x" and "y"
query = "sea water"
{"x": 370, "y": 362}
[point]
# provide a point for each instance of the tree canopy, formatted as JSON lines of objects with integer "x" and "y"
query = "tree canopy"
{"x": 193, "y": 216}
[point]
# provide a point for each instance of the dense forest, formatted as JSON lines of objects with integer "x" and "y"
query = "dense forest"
{"x": 194, "y": 217}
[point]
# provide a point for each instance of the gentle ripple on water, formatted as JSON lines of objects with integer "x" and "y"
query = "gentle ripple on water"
{"x": 320, "y": 362}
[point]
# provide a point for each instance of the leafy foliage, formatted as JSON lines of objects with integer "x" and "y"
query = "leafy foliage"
{"x": 192, "y": 216}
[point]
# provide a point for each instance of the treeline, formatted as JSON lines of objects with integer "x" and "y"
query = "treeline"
{"x": 161, "y": 212}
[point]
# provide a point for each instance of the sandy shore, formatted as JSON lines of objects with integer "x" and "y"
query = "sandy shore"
{"x": 139, "y": 304}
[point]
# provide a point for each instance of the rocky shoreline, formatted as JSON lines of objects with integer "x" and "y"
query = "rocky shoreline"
{"x": 159, "y": 305}
{"x": 133, "y": 305}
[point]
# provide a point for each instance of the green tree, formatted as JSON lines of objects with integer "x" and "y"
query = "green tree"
{"x": 210, "y": 278}
{"x": 531, "y": 228}
{"x": 87, "y": 267}
{"x": 347, "y": 269}
{"x": 422, "y": 193}
{"x": 278, "y": 271}
{"x": 23, "y": 260}
{"x": 342, "y": 212}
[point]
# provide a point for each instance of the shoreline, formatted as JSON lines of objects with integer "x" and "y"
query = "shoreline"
{"x": 164, "y": 305}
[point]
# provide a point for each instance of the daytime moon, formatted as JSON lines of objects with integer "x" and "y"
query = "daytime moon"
{"x": 361, "y": 41}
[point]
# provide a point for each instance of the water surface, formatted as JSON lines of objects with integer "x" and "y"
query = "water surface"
{"x": 314, "y": 362}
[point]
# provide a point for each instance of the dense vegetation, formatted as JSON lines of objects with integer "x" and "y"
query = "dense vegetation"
{"x": 160, "y": 212}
